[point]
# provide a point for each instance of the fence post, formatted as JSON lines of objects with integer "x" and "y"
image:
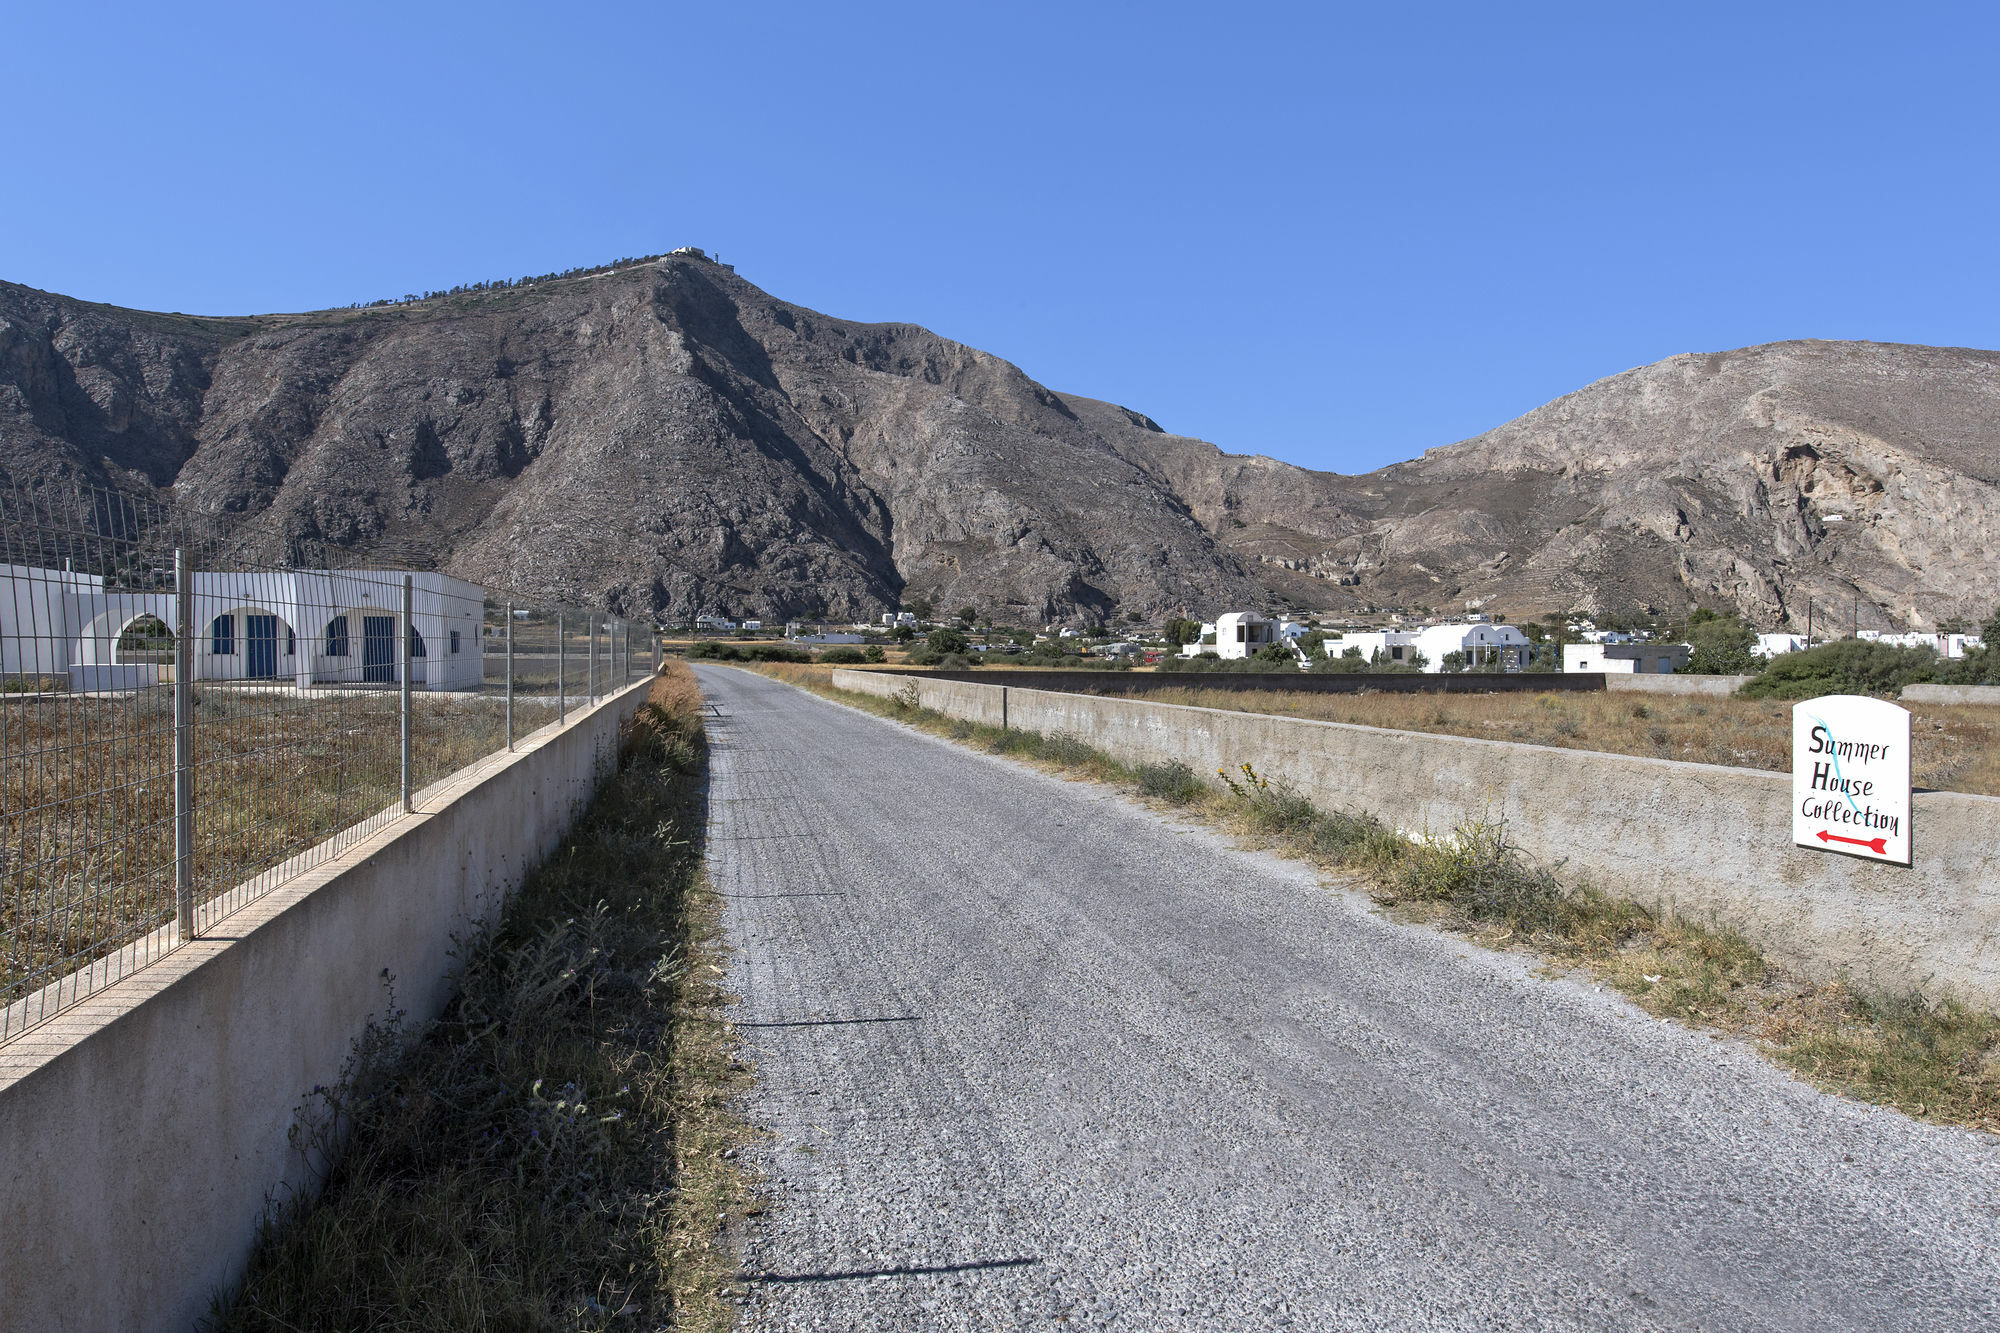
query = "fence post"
{"x": 510, "y": 675}
{"x": 656, "y": 652}
{"x": 590, "y": 672}
{"x": 184, "y": 744}
{"x": 562, "y": 700}
{"x": 409, "y": 633}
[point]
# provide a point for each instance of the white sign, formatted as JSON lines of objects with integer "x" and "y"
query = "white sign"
{"x": 1851, "y": 777}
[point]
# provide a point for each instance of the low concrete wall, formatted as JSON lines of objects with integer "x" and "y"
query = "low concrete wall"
{"x": 144, "y": 1132}
{"x": 1952, "y": 694}
{"x": 1648, "y": 683}
{"x": 1084, "y": 680}
{"x": 1710, "y": 843}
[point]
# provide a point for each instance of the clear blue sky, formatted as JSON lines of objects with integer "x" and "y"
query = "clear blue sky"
{"x": 1334, "y": 234}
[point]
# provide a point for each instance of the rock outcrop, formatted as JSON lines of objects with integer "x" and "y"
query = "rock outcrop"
{"x": 664, "y": 437}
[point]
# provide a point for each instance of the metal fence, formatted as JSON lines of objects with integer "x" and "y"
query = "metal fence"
{"x": 191, "y": 715}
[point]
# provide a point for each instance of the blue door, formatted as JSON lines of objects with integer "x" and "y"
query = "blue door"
{"x": 378, "y": 648}
{"x": 260, "y": 647}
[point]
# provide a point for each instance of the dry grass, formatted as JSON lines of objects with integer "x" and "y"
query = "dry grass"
{"x": 1955, "y": 746}
{"x": 555, "y": 1152}
{"x": 1939, "y": 1062}
{"x": 86, "y": 800}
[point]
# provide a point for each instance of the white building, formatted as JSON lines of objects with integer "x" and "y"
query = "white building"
{"x": 310, "y": 626}
{"x": 1625, "y": 659}
{"x": 895, "y": 618}
{"x": 1486, "y": 646}
{"x": 1376, "y": 646}
{"x": 1951, "y": 646}
{"x": 714, "y": 624}
{"x": 1239, "y": 634}
{"x": 1774, "y": 645}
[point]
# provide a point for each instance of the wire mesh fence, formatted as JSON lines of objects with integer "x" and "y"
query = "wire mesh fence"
{"x": 191, "y": 715}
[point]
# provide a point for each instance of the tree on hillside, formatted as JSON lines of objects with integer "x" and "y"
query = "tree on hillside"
{"x": 1180, "y": 631}
{"x": 969, "y": 614}
{"x": 920, "y": 607}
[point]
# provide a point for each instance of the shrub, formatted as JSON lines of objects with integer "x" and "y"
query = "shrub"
{"x": 1851, "y": 666}
{"x": 1062, "y": 748}
{"x": 1979, "y": 666}
{"x": 748, "y": 652}
{"x": 1720, "y": 645}
{"x": 1172, "y": 781}
{"x": 874, "y": 653}
{"x": 843, "y": 655}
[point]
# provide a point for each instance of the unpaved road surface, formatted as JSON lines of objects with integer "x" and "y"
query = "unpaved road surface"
{"x": 1032, "y": 1057}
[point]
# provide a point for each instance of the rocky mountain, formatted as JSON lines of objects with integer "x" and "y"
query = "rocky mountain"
{"x": 664, "y": 436}
{"x": 1863, "y": 478}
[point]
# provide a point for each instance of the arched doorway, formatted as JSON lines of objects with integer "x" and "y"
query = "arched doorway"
{"x": 144, "y": 638}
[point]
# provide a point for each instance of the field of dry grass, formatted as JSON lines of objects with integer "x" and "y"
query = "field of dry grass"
{"x": 86, "y": 800}
{"x": 1955, "y": 745}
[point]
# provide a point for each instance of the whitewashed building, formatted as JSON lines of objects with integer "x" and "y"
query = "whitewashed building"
{"x": 1375, "y": 646}
{"x": 1949, "y": 646}
{"x": 1486, "y": 646}
{"x": 1625, "y": 659}
{"x": 1775, "y": 645}
{"x": 310, "y": 627}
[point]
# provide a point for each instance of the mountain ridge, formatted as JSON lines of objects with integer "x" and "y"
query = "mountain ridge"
{"x": 666, "y": 437}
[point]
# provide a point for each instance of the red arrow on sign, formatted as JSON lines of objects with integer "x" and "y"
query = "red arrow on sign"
{"x": 1875, "y": 845}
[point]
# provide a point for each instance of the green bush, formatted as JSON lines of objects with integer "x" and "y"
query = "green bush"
{"x": 1719, "y": 645}
{"x": 1348, "y": 663}
{"x": 874, "y": 653}
{"x": 712, "y": 650}
{"x": 1172, "y": 781}
{"x": 1851, "y": 666}
{"x": 842, "y": 655}
{"x": 1979, "y": 666}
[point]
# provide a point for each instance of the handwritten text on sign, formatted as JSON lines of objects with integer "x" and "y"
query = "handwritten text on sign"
{"x": 1851, "y": 777}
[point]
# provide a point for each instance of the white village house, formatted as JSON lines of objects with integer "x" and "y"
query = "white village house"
{"x": 1486, "y": 646}
{"x": 309, "y": 626}
{"x": 1386, "y": 646}
{"x": 1239, "y": 634}
{"x": 1625, "y": 659}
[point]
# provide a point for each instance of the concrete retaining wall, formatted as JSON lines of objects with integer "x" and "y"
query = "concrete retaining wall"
{"x": 1646, "y": 683}
{"x": 1952, "y": 694}
{"x": 143, "y": 1132}
{"x": 1711, "y": 843}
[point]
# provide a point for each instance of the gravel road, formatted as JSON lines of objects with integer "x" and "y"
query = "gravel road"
{"x": 1033, "y": 1057}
